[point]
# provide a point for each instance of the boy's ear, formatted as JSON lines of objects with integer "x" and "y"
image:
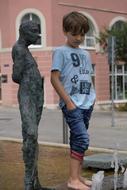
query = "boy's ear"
{"x": 65, "y": 33}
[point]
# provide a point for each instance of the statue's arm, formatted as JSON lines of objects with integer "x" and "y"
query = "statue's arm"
{"x": 18, "y": 56}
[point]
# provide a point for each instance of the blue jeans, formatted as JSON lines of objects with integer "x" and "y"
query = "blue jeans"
{"x": 78, "y": 122}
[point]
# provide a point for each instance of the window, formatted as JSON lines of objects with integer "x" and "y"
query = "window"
{"x": 90, "y": 37}
{"x": 35, "y": 18}
{"x": 120, "y": 82}
{"x": 90, "y": 41}
{"x": 0, "y": 84}
{"x": 120, "y": 72}
{"x": 118, "y": 24}
{"x": 93, "y": 74}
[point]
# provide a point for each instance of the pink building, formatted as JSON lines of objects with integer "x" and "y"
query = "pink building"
{"x": 48, "y": 14}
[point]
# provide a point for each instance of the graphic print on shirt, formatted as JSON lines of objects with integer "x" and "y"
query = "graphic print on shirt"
{"x": 74, "y": 89}
{"x": 80, "y": 86}
{"x": 85, "y": 87}
{"x": 75, "y": 60}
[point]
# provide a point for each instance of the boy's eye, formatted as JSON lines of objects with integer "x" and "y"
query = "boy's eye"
{"x": 73, "y": 34}
{"x": 81, "y": 34}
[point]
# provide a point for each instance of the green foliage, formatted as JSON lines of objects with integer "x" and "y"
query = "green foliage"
{"x": 122, "y": 107}
{"x": 120, "y": 34}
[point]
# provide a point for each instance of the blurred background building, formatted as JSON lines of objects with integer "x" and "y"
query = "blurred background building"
{"x": 48, "y": 14}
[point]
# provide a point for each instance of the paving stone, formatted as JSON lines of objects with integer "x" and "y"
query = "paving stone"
{"x": 45, "y": 188}
{"x": 62, "y": 186}
{"x": 103, "y": 160}
{"x": 108, "y": 184}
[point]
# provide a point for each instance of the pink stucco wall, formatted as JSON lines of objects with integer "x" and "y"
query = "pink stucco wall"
{"x": 11, "y": 10}
{"x": 102, "y": 12}
{"x": 9, "y": 89}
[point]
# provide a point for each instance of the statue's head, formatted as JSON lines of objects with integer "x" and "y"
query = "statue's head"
{"x": 29, "y": 31}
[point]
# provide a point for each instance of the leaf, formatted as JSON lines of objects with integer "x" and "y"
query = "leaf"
{"x": 121, "y": 40}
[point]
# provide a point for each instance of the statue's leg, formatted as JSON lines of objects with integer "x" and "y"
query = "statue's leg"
{"x": 37, "y": 185}
{"x": 30, "y": 153}
{"x": 30, "y": 145}
{"x": 39, "y": 108}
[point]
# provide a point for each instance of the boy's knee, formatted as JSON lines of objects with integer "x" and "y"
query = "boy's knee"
{"x": 85, "y": 144}
{"x": 81, "y": 143}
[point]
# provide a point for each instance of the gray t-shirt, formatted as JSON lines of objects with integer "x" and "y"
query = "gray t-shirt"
{"x": 75, "y": 69}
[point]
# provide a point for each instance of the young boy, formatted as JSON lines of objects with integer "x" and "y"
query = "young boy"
{"x": 71, "y": 78}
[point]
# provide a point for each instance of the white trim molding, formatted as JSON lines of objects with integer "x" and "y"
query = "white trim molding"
{"x": 118, "y": 18}
{"x": 0, "y": 39}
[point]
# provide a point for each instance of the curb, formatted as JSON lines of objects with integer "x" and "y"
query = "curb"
{"x": 104, "y": 150}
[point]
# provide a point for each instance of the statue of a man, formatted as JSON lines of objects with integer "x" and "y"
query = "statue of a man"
{"x": 30, "y": 98}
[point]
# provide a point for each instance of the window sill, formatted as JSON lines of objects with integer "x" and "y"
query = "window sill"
{"x": 87, "y": 48}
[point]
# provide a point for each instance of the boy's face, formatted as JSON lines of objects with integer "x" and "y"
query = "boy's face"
{"x": 74, "y": 40}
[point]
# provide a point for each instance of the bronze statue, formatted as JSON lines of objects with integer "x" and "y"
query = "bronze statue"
{"x": 30, "y": 98}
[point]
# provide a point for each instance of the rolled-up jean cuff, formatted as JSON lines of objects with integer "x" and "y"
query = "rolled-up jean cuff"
{"x": 76, "y": 155}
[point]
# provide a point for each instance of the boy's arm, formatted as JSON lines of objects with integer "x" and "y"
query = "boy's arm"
{"x": 55, "y": 80}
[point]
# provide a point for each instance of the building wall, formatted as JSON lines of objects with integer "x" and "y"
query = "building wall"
{"x": 102, "y": 14}
{"x": 9, "y": 88}
{"x": 13, "y": 8}
{"x": 100, "y": 10}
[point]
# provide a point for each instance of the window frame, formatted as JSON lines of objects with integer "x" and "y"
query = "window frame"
{"x": 116, "y": 74}
{"x": 93, "y": 74}
{"x": 123, "y": 74}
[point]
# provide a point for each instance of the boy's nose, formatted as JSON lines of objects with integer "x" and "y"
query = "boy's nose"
{"x": 78, "y": 37}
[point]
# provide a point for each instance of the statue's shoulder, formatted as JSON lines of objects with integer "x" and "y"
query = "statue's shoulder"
{"x": 19, "y": 48}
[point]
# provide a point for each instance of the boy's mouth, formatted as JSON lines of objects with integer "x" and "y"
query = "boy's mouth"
{"x": 77, "y": 42}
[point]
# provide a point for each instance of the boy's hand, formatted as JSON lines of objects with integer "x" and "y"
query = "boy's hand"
{"x": 70, "y": 105}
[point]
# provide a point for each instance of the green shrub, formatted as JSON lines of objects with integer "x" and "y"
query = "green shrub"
{"x": 121, "y": 107}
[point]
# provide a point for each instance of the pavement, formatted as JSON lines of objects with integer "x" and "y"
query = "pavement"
{"x": 103, "y": 135}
